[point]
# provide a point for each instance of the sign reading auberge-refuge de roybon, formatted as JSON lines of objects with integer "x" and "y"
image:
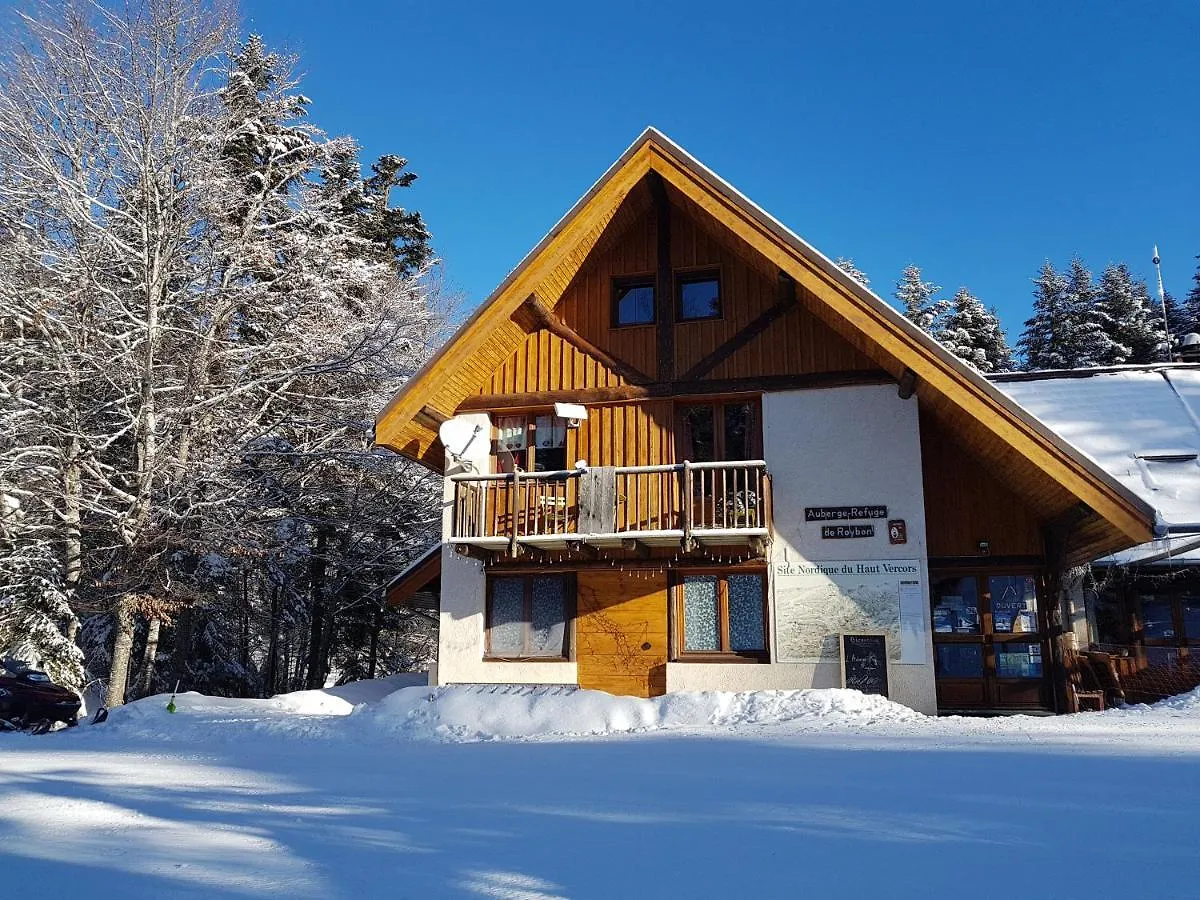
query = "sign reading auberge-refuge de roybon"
{"x": 816, "y": 601}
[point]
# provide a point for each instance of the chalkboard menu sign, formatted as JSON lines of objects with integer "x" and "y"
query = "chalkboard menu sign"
{"x": 864, "y": 663}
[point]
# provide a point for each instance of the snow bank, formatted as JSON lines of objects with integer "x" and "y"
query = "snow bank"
{"x": 402, "y": 707}
{"x": 1185, "y": 703}
{"x": 508, "y": 711}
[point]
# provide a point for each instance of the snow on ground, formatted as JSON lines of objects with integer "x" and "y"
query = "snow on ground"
{"x": 385, "y": 789}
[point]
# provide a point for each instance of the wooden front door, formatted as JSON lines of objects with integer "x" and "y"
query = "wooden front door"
{"x": 989, "y": 641}
{"x": 621, "y": 632}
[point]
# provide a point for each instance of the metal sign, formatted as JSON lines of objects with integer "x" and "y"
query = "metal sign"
{"x": 836, "y": 513}
{"x": 847, "y": 531}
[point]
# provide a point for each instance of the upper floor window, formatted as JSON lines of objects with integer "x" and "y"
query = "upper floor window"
{"x": 633, "y": 301}
{"x": 712, "y": 432}
{"x": 531, "y": 443}
{"x": 699, "y": 295}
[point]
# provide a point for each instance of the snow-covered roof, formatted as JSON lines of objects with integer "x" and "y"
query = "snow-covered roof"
{"x": 1141, "y": 424}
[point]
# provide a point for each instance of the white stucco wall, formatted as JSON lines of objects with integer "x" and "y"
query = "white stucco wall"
{"x": 846, "y": 446}
{"x": 461, "y": 622}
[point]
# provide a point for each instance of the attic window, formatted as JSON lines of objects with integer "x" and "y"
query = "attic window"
{"x": 699, "y": 295}
{"x": 633, "y": 301}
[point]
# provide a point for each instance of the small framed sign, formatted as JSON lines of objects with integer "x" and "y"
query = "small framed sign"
{"x": 897, "y": 531}
{"x": 865, "y": 662}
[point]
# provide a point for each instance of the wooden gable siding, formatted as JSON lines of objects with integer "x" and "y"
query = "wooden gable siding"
{"x": 796, "y": 343}
{"x": 965, "y": 503}
{"x": 545, "y": 362}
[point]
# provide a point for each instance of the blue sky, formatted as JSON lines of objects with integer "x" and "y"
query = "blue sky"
{"x": 974, "y": 139}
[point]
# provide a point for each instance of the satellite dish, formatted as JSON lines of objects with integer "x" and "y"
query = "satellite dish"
{"x": 457, "y": 435}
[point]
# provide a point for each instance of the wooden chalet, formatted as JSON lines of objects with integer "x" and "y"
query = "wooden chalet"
{"x": 688, "y": 452}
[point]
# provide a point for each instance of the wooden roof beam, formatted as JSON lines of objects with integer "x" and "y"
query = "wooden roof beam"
{"x": 630, "y": 392}
{"x": 533, "y": 316}
{"x": 785, "y": 303}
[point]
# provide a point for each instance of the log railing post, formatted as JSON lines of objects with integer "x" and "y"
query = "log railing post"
{"x": 687, "y": 506}
{"x": 513, "y": 490}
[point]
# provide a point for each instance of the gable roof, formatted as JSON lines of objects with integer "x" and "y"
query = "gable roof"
{"x": 1050, "y": 474}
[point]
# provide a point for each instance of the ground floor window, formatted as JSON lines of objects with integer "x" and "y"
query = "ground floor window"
{"x": 528, "y": 616}
{"x": 720, "y": 615}
{"x": 1157, "y": 618}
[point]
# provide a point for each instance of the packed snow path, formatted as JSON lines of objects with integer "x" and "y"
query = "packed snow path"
{"x": 311, "y": 796}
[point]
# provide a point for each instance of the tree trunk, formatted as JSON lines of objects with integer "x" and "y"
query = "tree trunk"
{"x": 73, "y": 542}
{"x": 149, "y": 656}
{"x": 271, "y": 676}
{"x": 118, "y": 674}
{"x": 317, "y": 588}
{"x": 376, "y": 625}
{"x": 185, "y": 630}
{"x": 245, "y": 642}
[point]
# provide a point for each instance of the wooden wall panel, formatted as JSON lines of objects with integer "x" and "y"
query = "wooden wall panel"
{"x": 545, "y": 362}
{"x": 965, "y": 503}
{"x": 621, "y": 632}
{"x": 628, "y": 434}
{"x": 796, "y": 343}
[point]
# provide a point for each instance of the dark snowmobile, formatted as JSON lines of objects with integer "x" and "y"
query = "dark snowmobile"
{"x": 30, "y": 700}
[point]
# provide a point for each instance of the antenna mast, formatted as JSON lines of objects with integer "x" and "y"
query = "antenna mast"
{"x": 1162, "y": 299}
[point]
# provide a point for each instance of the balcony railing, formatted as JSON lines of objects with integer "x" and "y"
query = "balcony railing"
{"x": 658, "y": 504}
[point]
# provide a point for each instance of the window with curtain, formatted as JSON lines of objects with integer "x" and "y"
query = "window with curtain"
{"x": 528, "y": 615}
{"x": 721, "y": 614}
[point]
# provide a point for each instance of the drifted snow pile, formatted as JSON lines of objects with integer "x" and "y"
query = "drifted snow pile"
{"x": 505, "y": 711}
{"x": 1184, "y": 703}
{"x": 395, "y": 707}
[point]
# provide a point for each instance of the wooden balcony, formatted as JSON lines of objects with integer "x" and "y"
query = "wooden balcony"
{"x": 689, "y": 506}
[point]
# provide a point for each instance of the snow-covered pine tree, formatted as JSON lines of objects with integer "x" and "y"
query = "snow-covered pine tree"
{"x": 918, "y": 301}
{"x": 846, "y": 264}
{"x": 1065, "y": 331}
{"x": 1125, "y": 312}
{"x": 1044, "y": 341}
{"x": 1189, "y": 312}
{"x": 35, "y": 616}
{"x": 1093, "y": 344}
{"x": 973, "y": 333}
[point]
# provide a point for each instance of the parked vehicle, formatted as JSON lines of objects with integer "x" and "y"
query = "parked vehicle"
{"x": 29, "y": 699}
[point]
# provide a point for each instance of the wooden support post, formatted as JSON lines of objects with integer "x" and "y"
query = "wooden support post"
{"x": 514, "y": 549}
{"x": 634, "y": 545}
{"x": 584, "y": 549}
{"x": 664, "y": 284}
{"x": 688, "y": 542}
{"x": 534, "y": 554}
{"x": 473, "y": 552}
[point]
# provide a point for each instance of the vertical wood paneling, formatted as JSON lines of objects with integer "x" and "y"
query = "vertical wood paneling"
{"x": 965, "y": 503}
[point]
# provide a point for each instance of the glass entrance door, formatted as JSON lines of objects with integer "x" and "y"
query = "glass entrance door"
{"x": 989, "y": 641}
